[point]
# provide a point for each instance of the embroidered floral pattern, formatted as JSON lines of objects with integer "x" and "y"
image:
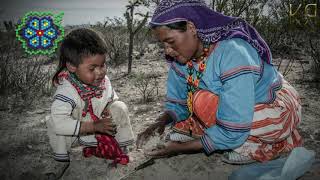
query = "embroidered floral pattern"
{"x": 40, "y": 32}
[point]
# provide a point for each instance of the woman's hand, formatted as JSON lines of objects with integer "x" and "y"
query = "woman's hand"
{"x": 174, "y": 148}
{"x": 170, "y": 148}
{"x": 146, "y": 134}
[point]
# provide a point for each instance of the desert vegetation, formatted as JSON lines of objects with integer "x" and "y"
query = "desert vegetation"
{"x": 137, "y": 70}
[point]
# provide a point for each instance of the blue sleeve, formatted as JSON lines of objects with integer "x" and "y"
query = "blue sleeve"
{"x": 176, "y": 104}
{"x": 239, "y": 67}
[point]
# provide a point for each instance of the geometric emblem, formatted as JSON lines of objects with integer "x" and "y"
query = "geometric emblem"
{"x": 40, "y": 32}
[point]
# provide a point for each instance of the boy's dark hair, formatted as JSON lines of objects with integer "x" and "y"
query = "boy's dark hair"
{"x": 181, "y": 25}
{"x": 76, "y": 45}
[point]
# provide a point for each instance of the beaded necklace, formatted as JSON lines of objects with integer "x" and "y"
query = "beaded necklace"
{"x": 193, "y": 84}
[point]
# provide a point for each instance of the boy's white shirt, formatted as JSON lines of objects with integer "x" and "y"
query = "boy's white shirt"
{"x": 66, "y": 110}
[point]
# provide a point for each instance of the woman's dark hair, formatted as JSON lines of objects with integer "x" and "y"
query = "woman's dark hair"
{"x": 181, "y": 25}
{"x": 76, "y": 45}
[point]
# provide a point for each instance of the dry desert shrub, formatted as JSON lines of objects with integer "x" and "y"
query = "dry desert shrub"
{"x": 147, "y": 85}
{"x": 23, "y": 78}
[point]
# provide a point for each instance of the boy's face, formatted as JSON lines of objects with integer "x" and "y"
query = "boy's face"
{"x": 92, "y": 70}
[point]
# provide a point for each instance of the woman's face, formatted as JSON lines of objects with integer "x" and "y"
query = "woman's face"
{"x": 182, "y": 46}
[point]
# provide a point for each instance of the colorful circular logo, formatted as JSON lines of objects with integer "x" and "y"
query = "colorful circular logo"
{"x": 40, "y": 32}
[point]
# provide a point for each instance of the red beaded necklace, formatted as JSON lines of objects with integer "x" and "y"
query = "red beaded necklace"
{"x": 193, "y": 84}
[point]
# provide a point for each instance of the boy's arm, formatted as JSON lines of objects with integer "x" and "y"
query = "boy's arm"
{"x": 65, "y": 124}
{"x": 61, "y": 110}
{"x": 104, "y": 125}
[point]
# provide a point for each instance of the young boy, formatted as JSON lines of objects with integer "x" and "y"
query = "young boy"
{"x": 85, "y": 107}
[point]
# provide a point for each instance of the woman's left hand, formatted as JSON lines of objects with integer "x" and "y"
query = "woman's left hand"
{"x": 169, "y": 149}
{"x": 174, "y": 148}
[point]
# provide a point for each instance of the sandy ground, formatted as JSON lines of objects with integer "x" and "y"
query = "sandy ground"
{"x": 25, "y": 152}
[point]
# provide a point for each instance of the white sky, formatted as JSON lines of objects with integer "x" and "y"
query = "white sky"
{"x": 75, "y": 11}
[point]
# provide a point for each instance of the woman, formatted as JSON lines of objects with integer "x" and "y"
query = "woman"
{"x": 223, "y": 93}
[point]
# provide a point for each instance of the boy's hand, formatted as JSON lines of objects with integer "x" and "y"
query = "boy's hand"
{"x": 105, "y": 126}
